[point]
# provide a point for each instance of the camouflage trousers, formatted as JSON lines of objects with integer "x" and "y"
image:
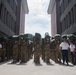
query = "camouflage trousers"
{"x": 36, "y": 57}
{"x": 75, "y": 58}
{"x": 57, "y": 55}
{"x": 24, "y": 56}
{"x": 0, "y": 52}
{"x": 15, "y": 54}
{"x": 47, "y": 56}
{"x": 52, "y": 55}
{"x": 3, "y": 54}
{"x": 43, "y": 55}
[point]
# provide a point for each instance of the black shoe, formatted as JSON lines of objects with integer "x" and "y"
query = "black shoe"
{"x": 48, "y": 62}
{"x": 67, "y": 64}
{"x": 63, "y": 63}
{"x": 14, "y": 62}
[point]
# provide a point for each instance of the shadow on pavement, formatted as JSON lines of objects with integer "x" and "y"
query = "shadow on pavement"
{"x": 11, "y": 63}
{"x": 38, "y": 64}
{"x": 21, "y": 64}
{"x": 50, "y": 64}
{"x": 16, "y": 63}
{"x": 66, "y": 65}
{"x": 1, "y": 63}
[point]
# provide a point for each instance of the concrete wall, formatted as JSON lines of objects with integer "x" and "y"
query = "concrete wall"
{"x": 53, "y": 21}
{"x": 24, "y": 10}
{"x": 22, "y": 20}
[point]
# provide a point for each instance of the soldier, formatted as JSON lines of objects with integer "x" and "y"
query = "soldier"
{"x": 15, "y": 48}
{"x": 31, "y": 50}
{"x": 28, "y": 44}
{"x": 57, "y": 50}
{"x": 75, "y": 53}
{"x": 0, "y": 49}
{"x": 11, "y": 49}
{"x": 37, "y": 48}
{"x": 53, "y": 48}
{"x": 8, "y": 53}
{"x": 19, "y": 52}
{"x": 72, "y": 40}
{"x": 24, "y": 51}
{"x": 47, "y": 49}
{"x": 43, "y": 50}
{"x": 3, "y": 52}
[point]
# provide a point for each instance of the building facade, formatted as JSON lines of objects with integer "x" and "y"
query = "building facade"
{"x": 23, "y": 10}
{"x": 7, "y": 17}
{"x": 10, "y": 17}
{"x": 54, "y": 11}
{"x": 68, "y": 16}
{"x": 65, "y": 16}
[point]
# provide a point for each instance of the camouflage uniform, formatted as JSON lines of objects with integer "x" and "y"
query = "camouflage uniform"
{"x": 30, "y": 50}
{"x": 57, "y": 52}
{"x": 75, "y": 58}
{"x": 11, "y": 49}
{"x": 37, "y": 53}
{"x": 47, "y": 53}
{"x": 37, "y": 48}
{"x": 43, "y": 50}
{"x": 3, "y": 52}
{"x": 53, "y": 47}
{"x": 30, "y": 53}
{"x": 75, "y": 54}
{"x": 8, "y": 52}
{"x": 47, "y": 49}
{"x": 19, "y": 51}
{"x": 0, "y": 51}
{"x": 15, "y": 51}
{"x": 24, "y": 51}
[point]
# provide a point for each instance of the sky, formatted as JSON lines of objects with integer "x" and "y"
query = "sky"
{"x": 38, "y": 20}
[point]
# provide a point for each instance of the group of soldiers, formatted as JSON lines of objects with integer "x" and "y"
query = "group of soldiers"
{"x": 16, "y": 48}
{"x": 22, "y": 49}
{"x": 6, "y": 49}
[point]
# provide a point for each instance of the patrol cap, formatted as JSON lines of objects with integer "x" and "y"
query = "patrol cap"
{"x": 71, "y": 37}
{"x": 3, "y": 38}
{"x": 52, "y": 40}
{"x": 15, "y": 37}
{"x": 53, "y": 44}
{"x": 37, "y": 36}
{"x": 21, "y": 36}
{"x": 28, "y": 37}
{"x": 46, "y": 34}
{"x": 64, "y": 37}
{"x": 47, "y": 38}
{"x": 57, "y": 36}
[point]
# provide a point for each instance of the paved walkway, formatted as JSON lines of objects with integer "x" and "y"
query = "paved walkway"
{"x": 31, "y": 69}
